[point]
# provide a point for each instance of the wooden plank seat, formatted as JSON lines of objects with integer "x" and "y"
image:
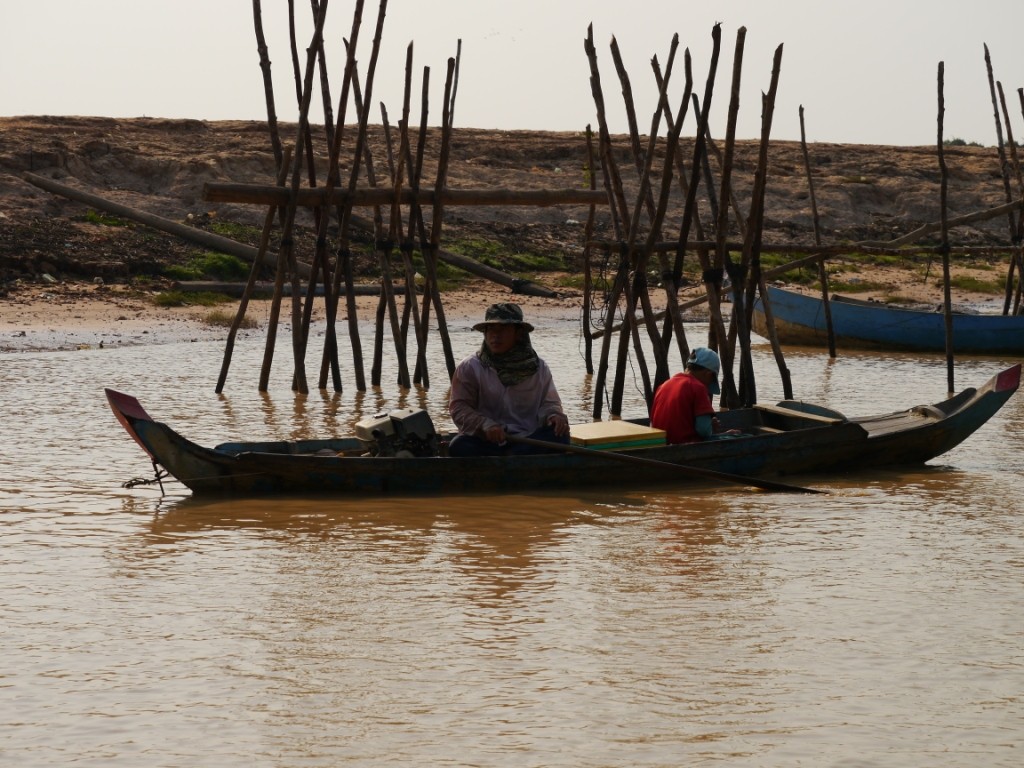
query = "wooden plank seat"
{"x": 784, "y": 419}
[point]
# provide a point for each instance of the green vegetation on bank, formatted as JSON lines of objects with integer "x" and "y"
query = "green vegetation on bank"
{"x": 497, "y": 255}
{"x": 190, "y": 299}
{"x": 103, "y": 219}
{"x": 210, "y": 265}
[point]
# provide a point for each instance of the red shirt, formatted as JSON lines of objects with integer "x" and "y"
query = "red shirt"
{"x": 677, "y": 404}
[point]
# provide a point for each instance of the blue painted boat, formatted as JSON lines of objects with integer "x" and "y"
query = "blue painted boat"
{"x": 787, "y": 438}
{"x": 800, "y": 320}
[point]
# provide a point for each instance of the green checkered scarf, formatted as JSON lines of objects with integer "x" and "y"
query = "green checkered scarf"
{"x": 516, "y": 365}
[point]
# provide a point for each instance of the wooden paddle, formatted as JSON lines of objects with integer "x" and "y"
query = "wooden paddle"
{"x": 766, "y": 485}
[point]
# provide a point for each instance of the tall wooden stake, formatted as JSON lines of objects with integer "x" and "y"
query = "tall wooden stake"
{"x": 822, "y": 271}
{"x": 743, "y": 310}
{"x": 947, "y": 302}
{"x": 286, "y": 260}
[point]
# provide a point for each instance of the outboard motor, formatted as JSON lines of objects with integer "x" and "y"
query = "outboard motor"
{"x": 402, "y": 433}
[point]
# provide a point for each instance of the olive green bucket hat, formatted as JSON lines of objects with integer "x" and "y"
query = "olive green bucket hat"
{"x": 503, "y": 314}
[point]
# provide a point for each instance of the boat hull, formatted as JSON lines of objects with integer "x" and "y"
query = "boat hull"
{"x": 788, "y": 439}
{"x": 800, "y": 319}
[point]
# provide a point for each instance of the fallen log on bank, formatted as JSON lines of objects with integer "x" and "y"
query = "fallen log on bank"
{"x": 250, "y": 254}
{"x": 314, "y": 197}
{"x": 264, "y": 289}
{"x": 184, "y": 231}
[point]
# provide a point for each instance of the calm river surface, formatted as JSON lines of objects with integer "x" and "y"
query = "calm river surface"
{"x": 879, "y": 625}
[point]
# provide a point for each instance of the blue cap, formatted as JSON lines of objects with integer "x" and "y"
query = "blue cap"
{"x": 707, "y": 358}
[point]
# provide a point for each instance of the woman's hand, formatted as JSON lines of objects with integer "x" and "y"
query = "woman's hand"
{"x": 495, "y": 434}
{"x": 559, "y": 423}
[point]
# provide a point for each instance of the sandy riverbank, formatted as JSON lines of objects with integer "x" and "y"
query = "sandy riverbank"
{"x": 72, "y": 315}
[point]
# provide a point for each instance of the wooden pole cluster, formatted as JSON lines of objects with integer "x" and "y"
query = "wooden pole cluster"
{"x": 638, "y": 226}
{"x": 638, "y": 238}
{"x": 333, "y": 199}
{"x": 1009, "y": 165}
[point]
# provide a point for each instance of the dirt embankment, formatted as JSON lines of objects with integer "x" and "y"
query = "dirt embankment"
{"x": 160, "y": 166}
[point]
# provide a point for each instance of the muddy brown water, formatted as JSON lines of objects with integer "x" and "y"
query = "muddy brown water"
{"x": 878, "y": 625}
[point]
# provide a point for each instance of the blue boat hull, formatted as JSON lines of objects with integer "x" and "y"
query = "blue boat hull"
{"x": 800, "y": 319}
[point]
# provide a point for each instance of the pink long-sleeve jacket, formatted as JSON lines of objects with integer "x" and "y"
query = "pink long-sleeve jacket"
{"x": 480, "y": 401}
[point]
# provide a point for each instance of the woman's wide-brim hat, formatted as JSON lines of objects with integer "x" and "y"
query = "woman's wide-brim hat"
{"x": 503, "y": 314}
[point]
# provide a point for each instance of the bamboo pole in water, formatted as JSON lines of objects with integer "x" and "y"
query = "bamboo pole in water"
{"x": 822, "y": 271}
{"x": 1004, "y": 168}
{"x": 672, "y": 154}
{"x": 625, "y": 290}
{"x": 645, "y": 201}
{"x": 383, "y": 246}
{"x": 447, "y": 118}
{"x": 321, "y": 214}
{"x": 329, "y": 363}
{"x": 674, "y": 125}
{"x": 286, "y": 257}
{"x": 588, "y": 282}
{"x": 1017, "y": 309}
{"x": 656, "y": 208}
{"x": 947, "y": 303}
{"x": 243, "y": 304}
{"x": 396, "y": 232}
{"x": 1017, "y": 236}
{"x": 617, "y": 203}
{"x": 268, "y": 83}
{"x": 713, "y": 276}
{"x": 690, "y": 205}
{"x": 343, "y": 268}
{"x": 417, "y": 228}
{"x": 743, "y": 313}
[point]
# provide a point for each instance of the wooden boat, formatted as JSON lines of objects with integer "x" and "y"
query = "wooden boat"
{"x": 800, "y": 319}
{"x": 784, "y": 439}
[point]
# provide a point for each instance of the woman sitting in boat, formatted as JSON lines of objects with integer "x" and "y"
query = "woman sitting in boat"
{"x": 505, "y": 389}
{"x": 682, "y": 405}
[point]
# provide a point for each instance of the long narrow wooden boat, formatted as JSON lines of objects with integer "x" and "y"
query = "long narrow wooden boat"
{"x": 785, "y": 439}
{"x": 800, "y": 319}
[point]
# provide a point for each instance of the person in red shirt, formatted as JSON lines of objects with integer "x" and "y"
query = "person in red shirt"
{"x": 682, "y": 405}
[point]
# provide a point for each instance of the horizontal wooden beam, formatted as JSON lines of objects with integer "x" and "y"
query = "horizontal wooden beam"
{"x": 312, "y": 197}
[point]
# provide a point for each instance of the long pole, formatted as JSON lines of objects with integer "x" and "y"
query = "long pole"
{"x": 683, "y": 469}
{"x": 822, "y": 271}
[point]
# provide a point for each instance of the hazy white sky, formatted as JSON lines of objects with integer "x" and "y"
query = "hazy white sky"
{"x": 865, "y": 71}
